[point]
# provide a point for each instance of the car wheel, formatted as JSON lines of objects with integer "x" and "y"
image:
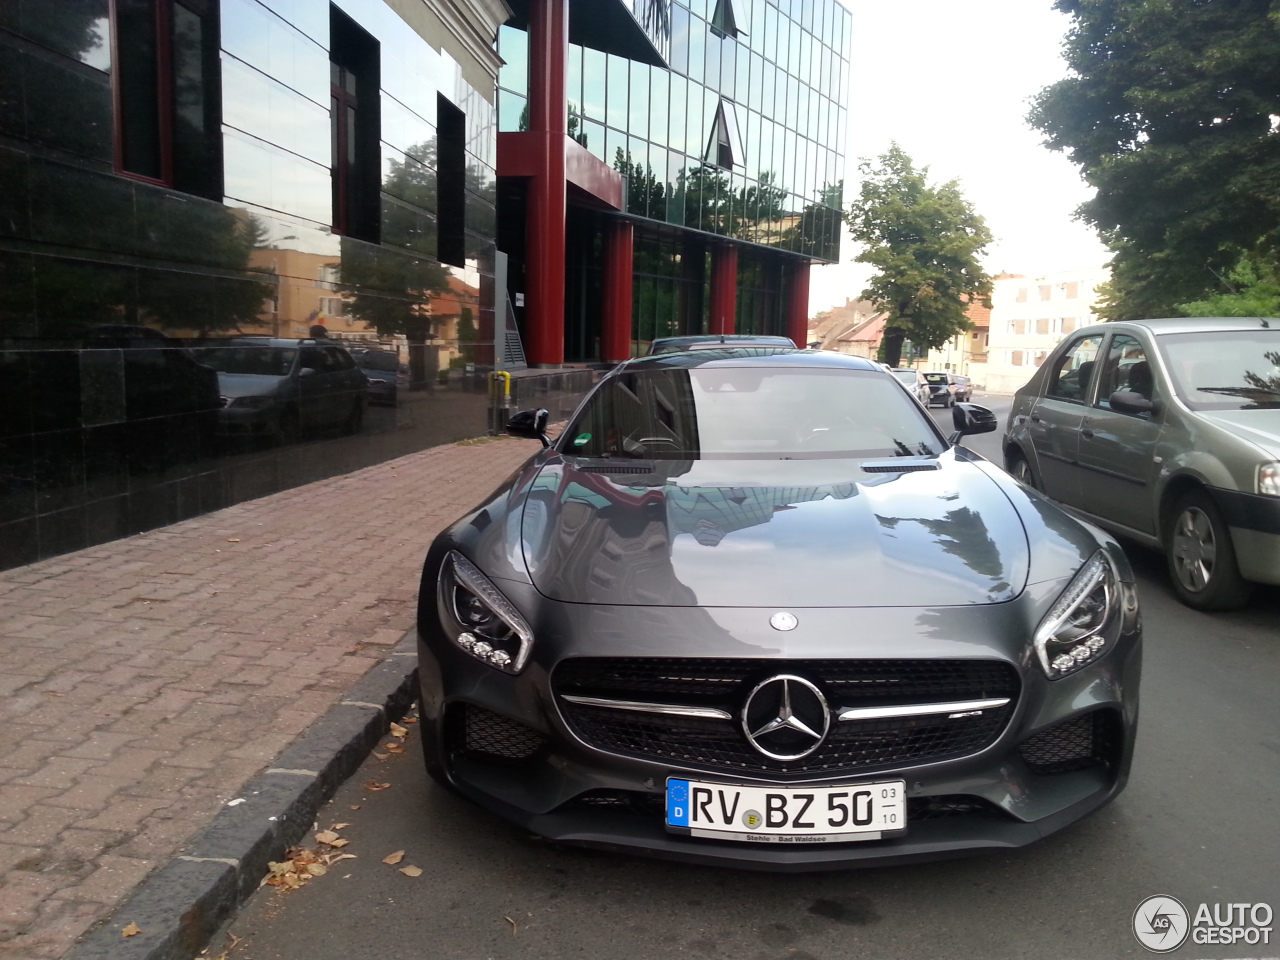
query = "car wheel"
{"x": 1202, "y": 560}
{"x": 1020, "y": 470}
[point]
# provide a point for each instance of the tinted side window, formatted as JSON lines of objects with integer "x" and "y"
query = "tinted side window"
{"x": 338, "y": 359}
{"x": 1125, "y": 368}
{"x": 1069, "y": 378}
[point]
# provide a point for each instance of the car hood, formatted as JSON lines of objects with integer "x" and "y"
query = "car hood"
{"x": 801, "y": 533}
{"x": 248, "y": 384}
{"x": 1257, "y": 426}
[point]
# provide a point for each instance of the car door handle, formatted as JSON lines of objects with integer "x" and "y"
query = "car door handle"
{"x": 1087, "y": 433}
{"x": 1035, "y": 418}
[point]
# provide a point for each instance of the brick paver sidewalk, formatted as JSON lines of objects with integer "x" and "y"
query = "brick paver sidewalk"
{"x": 144, "y": 681}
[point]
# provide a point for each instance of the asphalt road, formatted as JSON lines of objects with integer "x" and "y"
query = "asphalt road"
{"x": 1197, "y": 822}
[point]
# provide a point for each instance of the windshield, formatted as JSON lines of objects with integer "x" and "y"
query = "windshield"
{"x": 723, "y": 413}
{"x": 387, "y": 362}
{"x": 262, "y": 361}
{"x": 936, "y": 378}
{"x": 906, "y": 376}
{"x": 1228, "y": 370}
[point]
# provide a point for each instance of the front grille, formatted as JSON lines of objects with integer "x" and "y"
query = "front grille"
{"x": 1086, "y": 741}
{"x": 721, "y": 744}
{"x": 483, "y": 733}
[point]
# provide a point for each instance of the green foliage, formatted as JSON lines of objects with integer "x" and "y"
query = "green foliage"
{"x": 925, "y": 242}
{"x": 1169, "y": 113}
{"x": 1253, "y": 291}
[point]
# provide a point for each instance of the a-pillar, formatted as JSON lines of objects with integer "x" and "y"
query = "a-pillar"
{"x": 724, "y": 287}
{"x": 798, "y": 305}
{"x": 615, "y": 343}
{"x": 545, "y": 237}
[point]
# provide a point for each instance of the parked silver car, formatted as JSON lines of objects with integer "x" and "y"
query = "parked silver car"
{"x": 1166, "y": 432}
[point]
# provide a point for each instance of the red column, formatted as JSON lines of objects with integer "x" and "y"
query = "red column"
{"x": 545, "y": 238}
{"x": 724, "y": 287}
{"x": 615, "y": 343}
{"x": 798, "y": 305}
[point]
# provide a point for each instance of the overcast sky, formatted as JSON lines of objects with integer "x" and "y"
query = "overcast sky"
{"x": 950, "y": 80}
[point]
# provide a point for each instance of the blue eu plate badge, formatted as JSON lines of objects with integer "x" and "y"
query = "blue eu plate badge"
{"x": 678, "y": 803}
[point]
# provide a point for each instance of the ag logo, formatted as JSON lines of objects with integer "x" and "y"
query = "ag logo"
{"x": 1161, "y": 924}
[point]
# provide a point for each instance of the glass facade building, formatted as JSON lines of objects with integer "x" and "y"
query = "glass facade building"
{"x": 735, "y": 132}
{"x": 168, "y": 183}
{"x": 188, "y": 187}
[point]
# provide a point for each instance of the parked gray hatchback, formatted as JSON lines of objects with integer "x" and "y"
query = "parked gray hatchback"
{"x": 1166, "y": 432}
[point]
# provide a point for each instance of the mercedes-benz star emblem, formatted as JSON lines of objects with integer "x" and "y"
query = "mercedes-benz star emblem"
{"x": 783, "y": 621}
{"x": 786, "y": 717}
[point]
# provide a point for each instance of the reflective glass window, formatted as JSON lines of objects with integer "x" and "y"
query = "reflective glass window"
{"x": 573, "y": 80}
{"x": 513, "y": 47}
{"x": 594, "y": 134}
{"x": 512, "y": 112}
{"x": 594, "y": 84}
{"x": 659, "y": 95}
{"x": 711, "y": 72}
{"x": 678, "y": 135}
{"x": 697, "y": 46}
{"x": 638, "y": 124}
{"x": 619, "y": 72}
{"x": 679, "y": 39}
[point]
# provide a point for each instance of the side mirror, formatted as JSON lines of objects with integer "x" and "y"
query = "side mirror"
{"x": 307, "y": 372}
{"x": 970, "y": 418}
{"x": 1129, "y": 401}
{"x": 530, "y": 425}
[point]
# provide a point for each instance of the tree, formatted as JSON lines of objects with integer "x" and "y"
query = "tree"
{"x": 1254, "y": 291}
{"x": 925, "y": 242}
{"x": 1170, "y": 114}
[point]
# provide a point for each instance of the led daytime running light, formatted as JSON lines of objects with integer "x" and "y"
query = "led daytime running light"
{"x": 469, "y": 577}
{"x": 1098, "y": 571}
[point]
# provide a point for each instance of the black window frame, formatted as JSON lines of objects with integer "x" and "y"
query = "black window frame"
{"x": 355, "y": 126}
{"x": 451, "y": 182}
{"x": 152, "y": 93}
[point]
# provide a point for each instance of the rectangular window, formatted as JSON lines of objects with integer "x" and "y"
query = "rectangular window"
{"x": 451, "y": 181}
{"x": 1022, "y": 295}
{"x": 1046, "y": 291}
{"x": 168, "y": 116}
{"x": 355, "y": 128}
{"x": 1042, "y": 325}
{"x": 1070, "y": 324}
{"x": 1015, "y": 358}
{"x": 1072, "y": 289}
{"x": 1019, "y": 327}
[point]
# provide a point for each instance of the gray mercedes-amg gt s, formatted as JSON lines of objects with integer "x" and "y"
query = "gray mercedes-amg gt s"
{"x": 754, "y": 609}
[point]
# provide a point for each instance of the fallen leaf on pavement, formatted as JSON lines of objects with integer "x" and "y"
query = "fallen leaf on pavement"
{"x": 513, "y": 925}
{"x": 399, "y": 731}
{"x": 233, "y": 539}
{"x": 411, "y": 871}
{"x": 393, "y": 747}
{"x": 339, "y": 826}
{"x": 132, "y": 930}
{"x": 375, "y": 785}
{"x": 354, "y": 806}
{"x": 393, "y": 858}
{"x": 327, "y": 836}
{"x": 379, "y": 756}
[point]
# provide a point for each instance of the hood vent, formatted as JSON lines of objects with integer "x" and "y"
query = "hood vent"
{"x": 900, "y": 466}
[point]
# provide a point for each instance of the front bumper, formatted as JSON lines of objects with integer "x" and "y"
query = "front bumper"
{"x": 570, "y": 791}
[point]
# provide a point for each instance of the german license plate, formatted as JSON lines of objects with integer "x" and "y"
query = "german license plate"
{"x": 755, "y": 814}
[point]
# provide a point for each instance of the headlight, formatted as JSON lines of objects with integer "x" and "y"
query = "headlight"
{"x": 479, "y": 619}
{"x": 1269, "y": 479}
{"x": 1077, "y": 629}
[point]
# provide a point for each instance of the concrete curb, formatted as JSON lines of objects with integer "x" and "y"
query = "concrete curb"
{"x": 183, "y": 904}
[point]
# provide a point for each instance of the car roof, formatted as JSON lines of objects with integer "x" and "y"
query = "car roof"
{"x": 752, "y": 357}
{"x": 712, "y": 340}
{"x": 278, "y": 342}
{"x": 1165, "y": 325}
